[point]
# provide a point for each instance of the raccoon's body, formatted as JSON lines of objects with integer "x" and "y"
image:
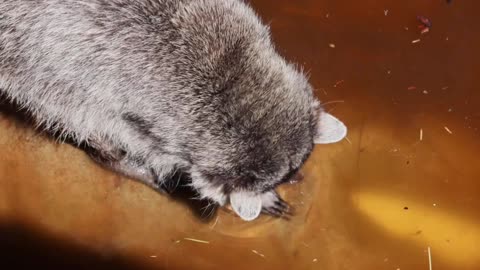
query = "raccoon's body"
{"x": 160, "y": 85}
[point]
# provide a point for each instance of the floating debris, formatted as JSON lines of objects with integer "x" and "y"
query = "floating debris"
{"x": 429, "y": 259}
{"x": 153, "y": 256}
{"x": 385, "y": 12}
{"x": 315, "y": 260}
{"x": 425, "y": 92}
{"x": 415, "y": 41}
{"x": 411, "y": 88}
{"x": 338, "y": 83}
{"x": 425, "y": 30}
{"x": 445, "y": 88}
{"x": 214, "y": 224}
{"x": 421, "y": 134}
{"x": 258, "y": 253}
{"x": 425, "y": 22}
{"x": 448, "y": 130}
{"x": 331, "y": 45}
{"x": 197, "y": 240}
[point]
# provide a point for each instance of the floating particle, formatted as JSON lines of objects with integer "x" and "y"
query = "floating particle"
{"x": 425, "y": 22}
{"x": 338, "y": 83}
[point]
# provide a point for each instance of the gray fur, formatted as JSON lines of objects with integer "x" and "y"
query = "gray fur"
{"x": 194, "y": 85}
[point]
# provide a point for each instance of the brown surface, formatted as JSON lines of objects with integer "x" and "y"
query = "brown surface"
{"x": 376, "y": 202}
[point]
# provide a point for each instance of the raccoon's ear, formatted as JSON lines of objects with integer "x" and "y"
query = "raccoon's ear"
{"x": 329, "y": 129}
{"x": 247, "y": 205}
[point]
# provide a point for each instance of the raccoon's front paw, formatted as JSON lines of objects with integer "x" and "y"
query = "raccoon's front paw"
{"x": 275, "y": 206}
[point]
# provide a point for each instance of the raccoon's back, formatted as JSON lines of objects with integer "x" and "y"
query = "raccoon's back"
{"x": 56, "y": 45}
{"x": 80, "y": 62}
{"x": 83, "y": 62}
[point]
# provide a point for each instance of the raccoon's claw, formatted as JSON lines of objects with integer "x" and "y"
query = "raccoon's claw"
{"x": 275, "y": 206}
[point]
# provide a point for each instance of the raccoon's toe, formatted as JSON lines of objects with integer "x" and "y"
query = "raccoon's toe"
{"x": 275, "y": 206}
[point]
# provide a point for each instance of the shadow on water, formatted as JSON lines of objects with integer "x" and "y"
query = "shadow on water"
{"x": 24, "y": 247}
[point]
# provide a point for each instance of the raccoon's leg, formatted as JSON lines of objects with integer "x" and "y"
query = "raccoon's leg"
{"x": 146, "y": 141}
{"x": 120, "y": 162}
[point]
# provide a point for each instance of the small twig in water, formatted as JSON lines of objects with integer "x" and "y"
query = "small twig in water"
{"x": 429, "y": 259}
{"x": 197, "y": 240}
{"x": 258, "y": 253}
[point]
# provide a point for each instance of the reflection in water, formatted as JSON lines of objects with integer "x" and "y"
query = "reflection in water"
{"x": 451, "y": 236}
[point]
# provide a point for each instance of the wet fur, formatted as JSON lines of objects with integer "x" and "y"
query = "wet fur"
{"x": 155, "y": 86}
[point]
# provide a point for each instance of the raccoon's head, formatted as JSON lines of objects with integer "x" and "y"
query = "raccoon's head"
{"x": 260, "y": 138}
